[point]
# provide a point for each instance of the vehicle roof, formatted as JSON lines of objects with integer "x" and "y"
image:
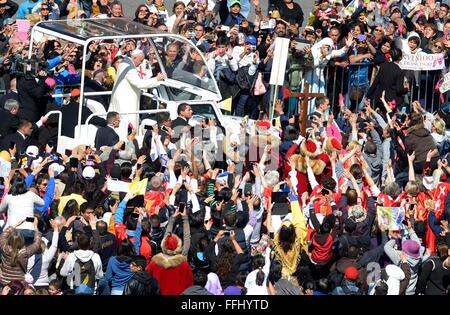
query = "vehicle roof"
{"x": 85, "y": 29}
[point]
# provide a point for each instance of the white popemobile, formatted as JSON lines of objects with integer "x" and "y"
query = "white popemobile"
{"x": 200, "y": 90}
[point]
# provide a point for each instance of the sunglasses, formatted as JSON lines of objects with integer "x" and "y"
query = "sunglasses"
{"x": 440, "y": 47}
{"x": 378, "y": 30}
{"x": 144, "y": 10}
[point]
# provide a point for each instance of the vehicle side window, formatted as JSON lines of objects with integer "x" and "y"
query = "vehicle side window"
{"x": 206, "y": 110}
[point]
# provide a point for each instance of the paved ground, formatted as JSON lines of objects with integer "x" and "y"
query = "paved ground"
{"x": 131, "y": 5}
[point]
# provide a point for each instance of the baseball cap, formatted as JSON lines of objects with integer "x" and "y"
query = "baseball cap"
{"x": 235, "y": 2}
{"x": 88, "y": 172}
{"x": 250, "y": 39}
{"x": 32, "y": 151}
{"x": 351, "y": 273}
{"x": 8, "y": 21}
{"x": 75, "y": 93}
{"x": 57, "y": 169}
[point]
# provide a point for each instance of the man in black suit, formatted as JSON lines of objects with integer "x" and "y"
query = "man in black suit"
{"x": 30, "y": 94}
{"x": 9, "y": 121}
{"x": 107, "y": 136}
{"x": 22, "y": 137}
{"x": 96, "y": 85}
{"x": 181, "y": 124}
{"x": 390, "y": 79}
{"x": 70, "y": 115}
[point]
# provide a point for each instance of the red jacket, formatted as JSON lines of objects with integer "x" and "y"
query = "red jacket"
{"x": 322, "y": 253}
{"x": 173, "y": 273}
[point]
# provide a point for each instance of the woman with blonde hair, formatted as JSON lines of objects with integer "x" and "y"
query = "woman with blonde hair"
{"x": 15, "y": 253}
{"x": 438, "y": 131}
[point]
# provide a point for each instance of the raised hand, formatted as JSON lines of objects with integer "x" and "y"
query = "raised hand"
{"x": 411, "y": 157}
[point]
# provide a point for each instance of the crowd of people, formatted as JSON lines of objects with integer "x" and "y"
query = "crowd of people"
{"x": 359, "y": 205}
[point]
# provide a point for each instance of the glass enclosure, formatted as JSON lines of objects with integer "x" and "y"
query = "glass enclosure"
{"x": 188, "y": 75}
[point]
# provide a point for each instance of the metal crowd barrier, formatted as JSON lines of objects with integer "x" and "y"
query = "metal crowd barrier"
{"x": 333, "y": 80}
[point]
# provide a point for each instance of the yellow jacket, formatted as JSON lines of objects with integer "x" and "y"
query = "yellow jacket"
{"x": 291, "y": 258}
{"x": 64, "y": 199}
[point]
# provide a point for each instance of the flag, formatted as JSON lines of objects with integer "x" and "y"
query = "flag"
{"x": 391, "y": 217}
{"x": 351, "y": 7}
{"x": 226, "y": 104}
{"x": 138, "y": 187}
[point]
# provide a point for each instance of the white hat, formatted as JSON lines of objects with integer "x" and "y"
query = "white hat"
{"x": 149, "y": 122}
{"x": 136, "y": 52}
{"x": 88, "y": 172}
{"x": 32, "y": 150}
{"x": 57, "y": 169}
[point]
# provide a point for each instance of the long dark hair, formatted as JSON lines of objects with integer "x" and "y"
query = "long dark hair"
{"x": 224, "y": 262}
{"x": 287, "y": 237}
{"x": 125, "y": 250}
{"x": 258, "y": 262}
{"x": 18, "y": 185}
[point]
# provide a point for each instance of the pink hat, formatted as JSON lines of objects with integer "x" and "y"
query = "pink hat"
{"x": 411, "y": 248}
{"x": 50, "y": 82}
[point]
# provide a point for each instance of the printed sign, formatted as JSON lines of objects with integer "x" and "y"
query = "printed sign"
{"x": 445, "y": 85}
{"x": 391, "y": 217}
{"x": 422, "y": 62}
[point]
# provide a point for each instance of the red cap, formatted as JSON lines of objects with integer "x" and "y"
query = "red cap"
{"x": 171, "y": 242}
{"x": 310, "y": 146}
{"x": 336, "y": 144}
{"x": 351, "y": 273}
{"x": 264, "y": 124}
{"x": 75, "y": 92}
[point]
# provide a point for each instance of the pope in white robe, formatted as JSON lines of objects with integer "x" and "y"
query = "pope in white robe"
{"x": 126, "y": 93}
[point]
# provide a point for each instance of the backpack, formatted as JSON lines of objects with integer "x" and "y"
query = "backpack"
{"x": 347, "y": 291}
{"x": 84, "y": 277}
{"x": 243, "y": 79}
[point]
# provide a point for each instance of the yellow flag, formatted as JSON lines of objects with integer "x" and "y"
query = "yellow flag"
{"x": 278, "y": 122}
{"x": 138, "y": 187}
{"x": 226, "y": 104}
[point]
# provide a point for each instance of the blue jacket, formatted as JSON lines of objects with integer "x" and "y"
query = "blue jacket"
{"x": 48, "y": 196}
{"x": 25, "y": 8}
{"x": 349, "y": 284}
{"x": 136, "y": 234}
{"x": 118, "y": 273}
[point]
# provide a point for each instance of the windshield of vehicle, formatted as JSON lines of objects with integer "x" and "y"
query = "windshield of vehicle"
{"x": 184, "y": 63}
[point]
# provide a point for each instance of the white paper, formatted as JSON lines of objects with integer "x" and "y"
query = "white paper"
{"x": 118, "y": 186}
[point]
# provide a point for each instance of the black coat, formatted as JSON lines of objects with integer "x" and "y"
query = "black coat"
{"x": 142, "y": 283}
{"x": 106, "y": 136}
{"x": 30, "y": 98}
{"x": 94, "y": 86}
{"x": 390, "y": 78}
{"x": 70, "y": 118}
{"x": 21, "y": 143}
{"x": 178, "y": 125}
{"x": 8, "y": 123}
